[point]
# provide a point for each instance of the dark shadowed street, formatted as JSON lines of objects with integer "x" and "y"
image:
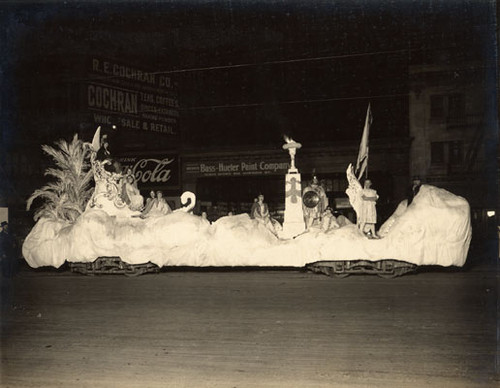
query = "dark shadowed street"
{"x": 250, "y": 328}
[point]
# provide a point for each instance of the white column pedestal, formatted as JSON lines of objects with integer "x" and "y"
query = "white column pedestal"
{"x": 293, "y": 224}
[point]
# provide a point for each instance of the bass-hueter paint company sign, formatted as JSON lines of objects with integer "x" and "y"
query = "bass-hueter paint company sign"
{"x": 235, "y": 167}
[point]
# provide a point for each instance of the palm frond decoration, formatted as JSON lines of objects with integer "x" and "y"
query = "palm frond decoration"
{"x": 65, "y": 198}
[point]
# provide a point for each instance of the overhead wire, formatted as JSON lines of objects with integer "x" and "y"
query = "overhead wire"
{"x": 312, "y": 101}
{"x": 408, "y": 51}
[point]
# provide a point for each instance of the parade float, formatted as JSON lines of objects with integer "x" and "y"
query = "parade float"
{"x": 101, "y": 229}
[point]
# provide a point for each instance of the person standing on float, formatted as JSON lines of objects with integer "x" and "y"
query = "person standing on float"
{"x": 368, "y": 215}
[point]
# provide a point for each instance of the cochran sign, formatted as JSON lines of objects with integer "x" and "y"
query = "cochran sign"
{"x": 132, "y": 98}
{"x": 153, "y": 171}
{"x": 236, "y": 168}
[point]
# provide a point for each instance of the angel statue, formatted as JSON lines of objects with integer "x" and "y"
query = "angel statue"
{"x": 363, "y": 201}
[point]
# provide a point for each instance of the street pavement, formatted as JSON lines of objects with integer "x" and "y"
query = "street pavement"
{"x": 250, "y": 328}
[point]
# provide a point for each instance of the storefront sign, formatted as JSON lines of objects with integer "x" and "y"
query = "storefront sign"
{"x": 131, "y": 98}
{"x": 235, "y": 168}
{"x": 158, "y": 171}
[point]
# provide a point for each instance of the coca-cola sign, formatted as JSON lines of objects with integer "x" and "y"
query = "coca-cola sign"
{"x": 161, "y": 171}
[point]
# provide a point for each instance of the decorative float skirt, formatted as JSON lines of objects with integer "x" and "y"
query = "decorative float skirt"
{"x": 434, "y": 230}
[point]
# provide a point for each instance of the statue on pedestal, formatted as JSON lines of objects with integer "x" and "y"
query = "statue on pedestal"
{"x": 294, "y": 217}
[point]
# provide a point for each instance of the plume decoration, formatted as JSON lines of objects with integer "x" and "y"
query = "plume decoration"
{"x": 66, "y": 196}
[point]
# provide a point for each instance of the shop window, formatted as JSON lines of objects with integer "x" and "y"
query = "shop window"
{"x": 437, "y": 152}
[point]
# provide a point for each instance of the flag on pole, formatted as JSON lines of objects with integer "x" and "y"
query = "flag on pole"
{"x": 362, "y": 161}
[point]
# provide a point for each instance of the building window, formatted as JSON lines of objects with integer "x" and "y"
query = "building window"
{"x": 448, "y": 107}
{"x": 456, "y": 152}
{"x": 437, "y": 152}
{"x": 456, "y": 107}
{"x": 447, "y": 153}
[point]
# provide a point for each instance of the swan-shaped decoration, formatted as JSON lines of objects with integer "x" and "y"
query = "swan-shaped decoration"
{"x": 188, "y": 200}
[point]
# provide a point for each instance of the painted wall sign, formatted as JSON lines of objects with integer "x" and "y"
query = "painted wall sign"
{"x": 131, "y": 98}
{"x": 153, "y": 171}
{"x": 235, "y": 167}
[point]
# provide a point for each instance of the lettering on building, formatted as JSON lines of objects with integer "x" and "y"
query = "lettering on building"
{"x": 153, "y": 171}
{"x": 132, "y": 98}
{"x": 235, "y": 168}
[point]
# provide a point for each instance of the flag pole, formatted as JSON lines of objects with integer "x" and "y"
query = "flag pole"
{"x": 366, "y": 169}
{"x": 363, "y": 154}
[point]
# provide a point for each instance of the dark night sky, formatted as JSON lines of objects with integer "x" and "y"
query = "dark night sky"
{"x": 247, "y": 71}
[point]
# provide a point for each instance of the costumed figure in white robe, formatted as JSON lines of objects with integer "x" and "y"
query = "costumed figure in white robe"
{"x": 150, "y": 201}
{"x": 363, "y": 201}
{"x": 131, "y": 194}
{"x": 315, "y": 203}
{"x": 260, "y": 212}
{"x": 368, "y": 210}
{"x": 159, "y": 207}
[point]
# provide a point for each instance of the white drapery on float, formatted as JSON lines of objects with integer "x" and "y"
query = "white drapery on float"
{"x": 434, "y": 230}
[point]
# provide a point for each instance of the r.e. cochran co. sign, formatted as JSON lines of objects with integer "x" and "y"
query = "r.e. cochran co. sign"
{"x": 153, "y": 171}
{"x": 132, "y": 98}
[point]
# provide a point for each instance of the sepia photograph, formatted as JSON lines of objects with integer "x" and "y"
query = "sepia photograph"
{"x": 249, "y": 193}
